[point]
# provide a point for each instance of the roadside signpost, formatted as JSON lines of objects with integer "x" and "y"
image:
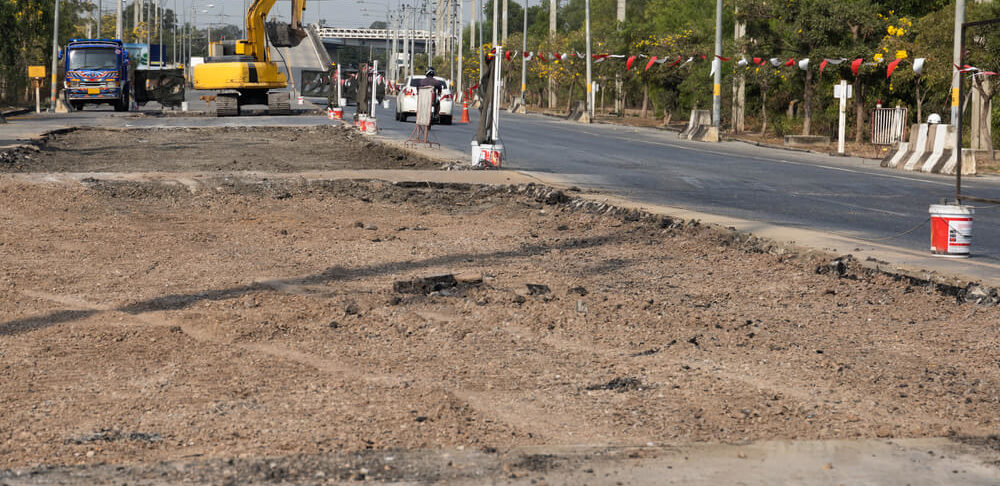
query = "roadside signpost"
{"x": 842, "y": 91}
{"x": 37, "y": 74}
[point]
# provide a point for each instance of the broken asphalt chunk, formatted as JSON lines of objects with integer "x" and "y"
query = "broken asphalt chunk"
{"x": 425, "y": 285}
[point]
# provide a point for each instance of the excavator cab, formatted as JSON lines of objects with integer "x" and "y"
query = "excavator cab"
{"x": 242, "y": 70}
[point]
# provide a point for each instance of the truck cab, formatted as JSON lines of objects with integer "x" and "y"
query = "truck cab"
{"x": 97, "y": 71}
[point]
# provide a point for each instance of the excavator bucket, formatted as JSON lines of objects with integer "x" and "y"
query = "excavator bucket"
{"x": 282, "y": 34}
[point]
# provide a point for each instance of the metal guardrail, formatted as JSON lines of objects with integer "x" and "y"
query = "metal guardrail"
{"x": 369, "y": 34}
{"x": 888, "y": 125}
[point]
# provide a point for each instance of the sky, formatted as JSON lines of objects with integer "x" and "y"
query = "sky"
{"x": 338, "y": 13}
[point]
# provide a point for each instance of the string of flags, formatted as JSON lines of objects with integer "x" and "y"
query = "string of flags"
{"x": 775, "y": 62}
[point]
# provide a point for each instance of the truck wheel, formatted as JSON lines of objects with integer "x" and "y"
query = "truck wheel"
{"x": 76, "y": 105}
{"x": 120, "y": 105}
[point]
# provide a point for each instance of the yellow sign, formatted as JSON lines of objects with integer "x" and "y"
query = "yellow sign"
{"x": 717, "y": 90}
{"x": 36, "y": 71}
{"x": 954, "y": 97}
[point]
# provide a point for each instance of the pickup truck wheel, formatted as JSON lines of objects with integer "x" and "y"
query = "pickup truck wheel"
{"x": 76, "y": 105}
{"x": 120, "y": 105}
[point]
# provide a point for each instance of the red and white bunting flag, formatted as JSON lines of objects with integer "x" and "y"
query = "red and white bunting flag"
{"x": 527, "y": 55}
{"x": 855, "y": 65}
{"x": 742, "y": 62}
{"x": 507, "y": 55}
{"x": 790, "y": 62}
{"x": 758, "y": 61}
{"x": 541, "y": 57}
{"x": 628, "y": 63}
{"x": 822, "y": 66}
{"x": 650, "y": 63}
{"x": 723, "y": 59}
{"x": 557, "y": 56}
{"x": 918, "y": 65}
{"x": 678, "y": 61}
{"x": 775, "y": 62}
{"x": 804, "y": 64}
{"x": 581, "y": 56}
{"x": 892, "y": 67}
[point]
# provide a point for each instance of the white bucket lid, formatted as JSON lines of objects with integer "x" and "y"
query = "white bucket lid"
{"x": 952, "y": 209}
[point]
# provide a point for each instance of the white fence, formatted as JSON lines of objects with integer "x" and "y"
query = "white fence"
{"x": 888, "y": 125}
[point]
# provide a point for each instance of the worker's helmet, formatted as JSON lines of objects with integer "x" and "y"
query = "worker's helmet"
{"x": 430, "y": 71}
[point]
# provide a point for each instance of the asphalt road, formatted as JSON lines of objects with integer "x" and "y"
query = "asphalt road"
{"x": 849, "y": 196}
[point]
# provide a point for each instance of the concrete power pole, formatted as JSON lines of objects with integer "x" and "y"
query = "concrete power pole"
{"x": 590, "y": 78}
{"x": 503, "y": 40}
{"x": 118, "y": 21}
{"x": 100, "y": 15}
{"x": 620, "y": 17}
{"x": 981, "y": 135}
{"x": 717, "y": 83}
{"x": 553, "y": 7}
{"x": 739, "y": 84}
{"x": 956, "y": 77}
{"x": 461, "y": 35}
{"x": 55, "y": 56}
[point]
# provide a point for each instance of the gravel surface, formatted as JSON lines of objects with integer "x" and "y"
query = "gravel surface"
{"x": 286, "y": 149}
{"x": 152, "y": 322}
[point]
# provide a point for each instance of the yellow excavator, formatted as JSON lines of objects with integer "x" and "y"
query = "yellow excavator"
{"x": 242, "y": 71}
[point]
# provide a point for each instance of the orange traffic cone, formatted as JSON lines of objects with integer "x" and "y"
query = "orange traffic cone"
{"x": 465, "y": 112}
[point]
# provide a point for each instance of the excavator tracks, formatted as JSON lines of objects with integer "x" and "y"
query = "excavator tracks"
{"x": 227, "y": 105}
{"x": 278, "y": 103}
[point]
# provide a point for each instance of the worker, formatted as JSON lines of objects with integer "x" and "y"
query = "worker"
{"x": 430, "y": 81}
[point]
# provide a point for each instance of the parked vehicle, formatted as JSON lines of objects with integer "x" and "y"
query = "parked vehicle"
{"x": 406, "y": 100}
{"x": 97, "y": 71}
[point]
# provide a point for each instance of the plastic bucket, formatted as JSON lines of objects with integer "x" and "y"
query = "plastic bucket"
{"x": 951, "y": 230}
{"x": 184, "y": 106}
{"x": 370, "y": 126}
{"x": 487, "y": 156}
{"x": 338, "y": 113}
{"x": 385, "y": 104}
{"x": 300, "y": 100}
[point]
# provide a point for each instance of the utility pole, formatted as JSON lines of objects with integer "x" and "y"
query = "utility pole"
{"x": 524, "y": 60}
{"x": 553, "y": 6}
{"x": 99, "y": 18}
{"x": 461, "y": 35}
{"x": 618, "y": 77}
{"x": 503, "y": 39}
{"x": 479, "y": 33}
{"x": 717, "y": 63}
{"x": 118, "y": 21}
{"x": 590, "y": 81}
{"x": 739, "y": 85}
{"x": 55, "y": 56}
{"x": 956, "y": 77}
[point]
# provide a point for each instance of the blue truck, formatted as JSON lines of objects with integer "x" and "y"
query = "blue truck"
{"x": 97, "y": 71}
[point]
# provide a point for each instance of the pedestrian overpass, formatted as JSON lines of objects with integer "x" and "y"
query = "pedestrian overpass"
{"x": 334, "y": 37}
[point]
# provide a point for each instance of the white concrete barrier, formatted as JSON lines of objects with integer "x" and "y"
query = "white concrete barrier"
{"x": 700, "y": 127}
{"x": 931, "y": 149}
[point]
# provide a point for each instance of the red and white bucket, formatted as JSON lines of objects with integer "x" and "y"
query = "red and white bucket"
{"x": 338, "y": 113}
{"x": 951, "y": 230}
{"x": 487, "y": 156}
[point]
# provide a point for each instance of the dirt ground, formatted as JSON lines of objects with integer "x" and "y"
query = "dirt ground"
{"x": 282, "y": 149}
{"x": 241, "y": 321}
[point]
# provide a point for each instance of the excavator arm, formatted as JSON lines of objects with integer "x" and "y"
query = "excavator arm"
{"x": 280, "y": 33}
